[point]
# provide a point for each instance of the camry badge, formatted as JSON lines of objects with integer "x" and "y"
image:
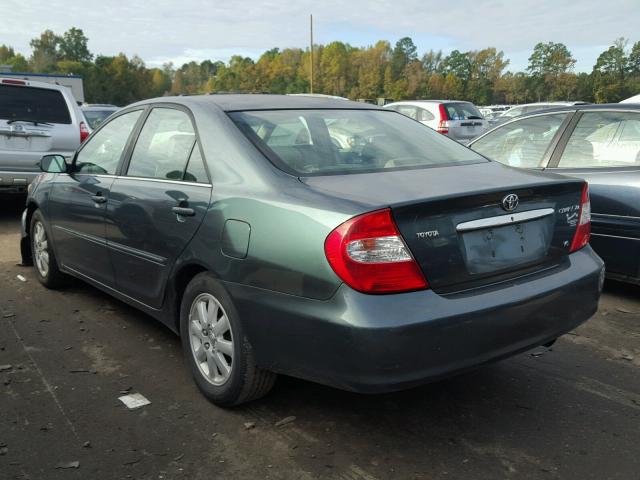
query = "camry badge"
{"x": 510, "y": 202}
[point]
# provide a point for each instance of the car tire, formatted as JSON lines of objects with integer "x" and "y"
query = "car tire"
{"x": 216, "y": 349}
{"x": 44, "y": 259}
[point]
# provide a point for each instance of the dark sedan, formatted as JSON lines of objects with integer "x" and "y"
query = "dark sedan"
{"x": 242, "y": 224}
{"x": 598, "y": 143}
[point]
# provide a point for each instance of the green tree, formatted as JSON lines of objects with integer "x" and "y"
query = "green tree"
{"x": 73, "y": 46}
{"x": 45, "y": 52}
{"x": 547, "y": 62}
{"x": 610, "y": 73}
{"x": 403, "y": 53}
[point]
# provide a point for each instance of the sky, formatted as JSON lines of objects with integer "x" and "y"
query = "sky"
{"x": 180, "y": 31}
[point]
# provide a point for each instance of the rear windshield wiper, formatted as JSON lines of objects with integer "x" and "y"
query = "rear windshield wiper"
{"x": 35, "y": 122}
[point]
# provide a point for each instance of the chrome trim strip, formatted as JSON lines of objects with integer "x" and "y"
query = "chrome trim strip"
{"x": 100, "y": 241}
{"x": 608, "y": 215}
{"x": 134, "y": 252}
{"x": 502, "y": 220}
{"x": 160, "y": 180}
{"x": 614, "y": 236}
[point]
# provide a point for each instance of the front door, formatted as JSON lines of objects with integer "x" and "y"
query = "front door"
{"x": 157, "y": 206}
{"x": 78, "y": 201}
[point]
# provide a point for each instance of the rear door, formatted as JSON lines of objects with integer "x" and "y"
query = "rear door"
{"x": 156, "y": 206}
{"x": 465, "y": 121}
{"x": 77, "y": 201}
{"x": 603, "y": 147}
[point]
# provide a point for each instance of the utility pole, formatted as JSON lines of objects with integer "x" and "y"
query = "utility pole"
{"x": 311, "y": 50}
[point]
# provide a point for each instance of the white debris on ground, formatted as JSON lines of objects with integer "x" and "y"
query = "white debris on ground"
{"x": 134, "y": 400}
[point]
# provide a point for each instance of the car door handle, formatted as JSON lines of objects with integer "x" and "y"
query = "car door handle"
{"x": 184, "y": 211}
{"x": 98, "y": 198}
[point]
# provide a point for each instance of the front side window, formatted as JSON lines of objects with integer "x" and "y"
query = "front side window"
{"x": 163, "y": 146}
{"x": 604, "y": 139}
{"x": 328, "y": 142}
{"x": 102, "y": 152}
{"x": 522, "y": 143}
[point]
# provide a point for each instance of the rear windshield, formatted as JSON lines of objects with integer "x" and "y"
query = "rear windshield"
{"x": 329, "y": 142}
{"x": 96, "y": 117}
{"x": 462, "y": 111}
{"x": 33, "y": 104}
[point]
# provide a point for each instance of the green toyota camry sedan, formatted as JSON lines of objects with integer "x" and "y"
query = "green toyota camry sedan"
{"x": 324, "y": 239}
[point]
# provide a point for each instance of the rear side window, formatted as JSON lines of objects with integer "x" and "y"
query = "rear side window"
{"x": 604, "y": 139}
{"x": 331, "y": 142}
{"x": 521, "y": 143}
{"x": 33, "y": 104}
{"x": 195, "y": 168}
{"x": 163, "y": 146}
{"x": 462, "y": 111}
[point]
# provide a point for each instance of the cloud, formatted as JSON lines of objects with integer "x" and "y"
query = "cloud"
{"x": 197, "y": 29}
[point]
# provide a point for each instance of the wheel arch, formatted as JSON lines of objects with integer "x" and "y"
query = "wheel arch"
{"x": 180, "y": 279}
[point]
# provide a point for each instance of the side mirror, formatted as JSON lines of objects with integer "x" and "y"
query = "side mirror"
{"x": 53, "y": 164}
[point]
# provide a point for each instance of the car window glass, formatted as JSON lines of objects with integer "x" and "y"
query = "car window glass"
{"x": 163, "y": 146}
{"x": 102, "y": 152}
{"x": 349, "y": 141}
{"x": 604, "y": 139}
{"x": 408, "y": 110}
{"x": 462, "y": 111}
{"x": 195, "y": 168}
{"x": 522, "y": 143}
{"x": 424, "y": 115}
{"x": 514, "y": 112}
{"x": 33, "y": 104}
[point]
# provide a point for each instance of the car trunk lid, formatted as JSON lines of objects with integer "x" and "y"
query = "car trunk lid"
{"x": 456, "y": 222}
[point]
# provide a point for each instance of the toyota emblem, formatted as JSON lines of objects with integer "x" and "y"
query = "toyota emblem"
{"x": 510, "y": 202}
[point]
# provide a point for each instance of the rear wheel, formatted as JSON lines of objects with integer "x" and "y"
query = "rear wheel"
{"x": 44, "y": 259}
{"x": 216, "y": 349}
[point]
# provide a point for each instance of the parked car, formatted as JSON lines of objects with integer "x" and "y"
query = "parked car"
{"x": 36, "y": 118}
{"x": 96, "y": 113}
{"x": 598, "y": 143}
{"x": 461, "y": 121}
{"x": 529, "y": 108}
{"x": 236, "y": 221}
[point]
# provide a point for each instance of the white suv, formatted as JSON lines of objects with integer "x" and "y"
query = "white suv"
{"x": 35, "y": 119}
{"x": 459, "y": 120}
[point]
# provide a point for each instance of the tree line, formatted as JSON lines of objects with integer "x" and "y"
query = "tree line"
{"x": 381, "y": 70}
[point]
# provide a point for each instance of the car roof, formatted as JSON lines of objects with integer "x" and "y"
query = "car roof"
{"x": 250, "y": 101}
{"x": 30, "y": 83}
{"x": 593, "y": 106}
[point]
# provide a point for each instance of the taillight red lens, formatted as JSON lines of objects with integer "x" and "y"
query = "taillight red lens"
{"x": 583, "y": 230}
{"x": 84, "y": 132}
{"x": 368, "y": 254}
{"x": 443, "y": 123}
{"x": 8, "y": 81}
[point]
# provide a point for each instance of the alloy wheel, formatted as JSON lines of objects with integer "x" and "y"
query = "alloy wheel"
{"x": 41, "y": 248}
{"x": 211, "y": 338}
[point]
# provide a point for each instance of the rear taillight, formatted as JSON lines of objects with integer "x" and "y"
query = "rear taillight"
{"x": 84, "y": 132}
{"x": 583, "y": 230}
{"x": 368, "y": 254}
{"x": 443, "y": 123}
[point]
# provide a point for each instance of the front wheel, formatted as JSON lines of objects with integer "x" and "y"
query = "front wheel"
{"x": 215, "y": 347}
{"x": 44, "y": 258}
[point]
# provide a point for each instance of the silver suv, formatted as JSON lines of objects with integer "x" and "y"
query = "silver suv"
{"x": 35, "y": 119}
{"x": 459, "y": 120}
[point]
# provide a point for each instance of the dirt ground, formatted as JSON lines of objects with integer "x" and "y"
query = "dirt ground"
{"x": 572, "y": 411}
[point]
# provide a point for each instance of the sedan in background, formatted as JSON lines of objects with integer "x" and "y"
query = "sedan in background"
{"x": 96, "y": 113}
{"x": 461, "y": 121}
{"x": 518, "y": 110}
{"x": 238, "y": 222}
{"x": 598, "y": 143}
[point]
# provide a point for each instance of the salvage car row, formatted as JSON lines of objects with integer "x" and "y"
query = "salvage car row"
{"x": 330, "y": 240}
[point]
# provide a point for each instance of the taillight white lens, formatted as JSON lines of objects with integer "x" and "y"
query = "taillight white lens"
{"x": 378, "y": 250}
{"x": 583, "y": 230}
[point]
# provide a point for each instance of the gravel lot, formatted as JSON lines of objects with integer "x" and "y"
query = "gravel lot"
{"x": 572, "y": 411}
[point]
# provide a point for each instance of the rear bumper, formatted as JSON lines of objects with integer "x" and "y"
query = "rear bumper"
{"x": 378, "y": 343}
{"x": 16, "y": 180}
